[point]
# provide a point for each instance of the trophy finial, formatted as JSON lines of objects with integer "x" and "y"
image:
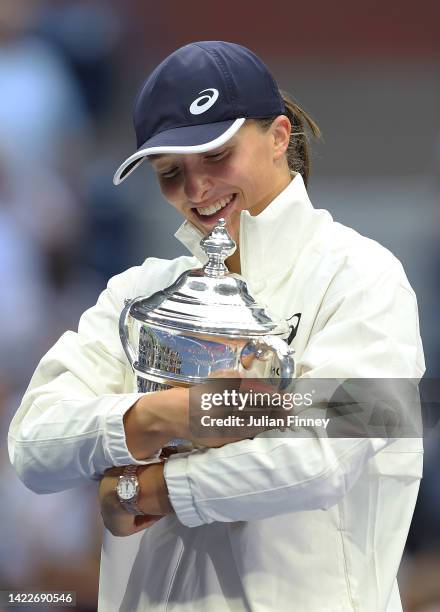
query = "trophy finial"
{"x": 218, "y": 246}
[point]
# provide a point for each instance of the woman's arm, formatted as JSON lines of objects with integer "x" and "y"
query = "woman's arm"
{"x": 78, "y": 417}
{"x": 368, "y": 330}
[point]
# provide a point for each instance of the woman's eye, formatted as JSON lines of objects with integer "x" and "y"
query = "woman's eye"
{"x": 216, "y": 156}
{"x": 169, "y": 173}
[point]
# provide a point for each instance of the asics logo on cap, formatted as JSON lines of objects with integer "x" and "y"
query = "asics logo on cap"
{"x": 203, "y": 103}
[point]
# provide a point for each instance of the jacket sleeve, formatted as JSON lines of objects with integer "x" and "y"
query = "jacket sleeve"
{"x": 364, "y": 329}
{"x": 69, "y": 427}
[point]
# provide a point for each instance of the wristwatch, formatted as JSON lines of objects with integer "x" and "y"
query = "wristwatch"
{"x": 127, "y": 489}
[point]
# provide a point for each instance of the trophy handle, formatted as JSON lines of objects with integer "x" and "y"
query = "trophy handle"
{"x": 263, "y": 348}
{"x": 124, "y": 331}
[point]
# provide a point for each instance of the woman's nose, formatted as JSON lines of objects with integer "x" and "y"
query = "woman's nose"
{"x": 197, "y": 185}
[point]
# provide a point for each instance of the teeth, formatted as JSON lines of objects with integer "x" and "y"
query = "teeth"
{"x": 210, "y": 210}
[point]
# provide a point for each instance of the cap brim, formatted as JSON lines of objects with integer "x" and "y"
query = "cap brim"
{"x": 190, "y": 139}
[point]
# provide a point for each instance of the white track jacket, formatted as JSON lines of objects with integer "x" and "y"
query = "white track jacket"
{"x": 263, "y": 525}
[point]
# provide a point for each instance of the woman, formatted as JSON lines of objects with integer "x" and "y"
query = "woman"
{"x": 261, "y": 524}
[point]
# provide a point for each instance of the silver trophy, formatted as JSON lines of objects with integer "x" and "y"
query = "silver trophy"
{"x": 204, "y": 322}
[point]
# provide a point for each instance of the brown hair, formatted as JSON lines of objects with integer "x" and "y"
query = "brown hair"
{"x": 298, "y": 152}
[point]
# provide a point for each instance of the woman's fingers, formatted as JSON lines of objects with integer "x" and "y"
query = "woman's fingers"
{"x": 142, "y": 521}
{"x": 225, "y": 374}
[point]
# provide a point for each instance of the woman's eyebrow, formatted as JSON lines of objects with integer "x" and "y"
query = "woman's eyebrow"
{"x": 154, "y": 157}
{"x": 159, "y": 161}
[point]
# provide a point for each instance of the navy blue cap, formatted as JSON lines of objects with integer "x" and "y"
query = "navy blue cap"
{"x": 197, "y": 98}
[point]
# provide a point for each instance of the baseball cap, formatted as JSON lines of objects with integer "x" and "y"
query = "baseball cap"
{"x": 197, "y": 98}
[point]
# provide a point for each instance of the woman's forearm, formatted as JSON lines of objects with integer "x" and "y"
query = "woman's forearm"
{"x": 154, "y": 420}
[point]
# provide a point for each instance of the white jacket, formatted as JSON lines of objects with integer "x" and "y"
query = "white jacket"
{"x": 269, "y": 524}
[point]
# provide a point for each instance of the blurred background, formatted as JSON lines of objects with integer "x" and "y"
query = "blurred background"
{"x": 368, "y": 72}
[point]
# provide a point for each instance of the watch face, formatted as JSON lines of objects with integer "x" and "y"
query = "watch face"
{"x": 126, "y": 488}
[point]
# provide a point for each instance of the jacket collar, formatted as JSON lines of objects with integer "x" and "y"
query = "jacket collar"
{"x": 271, "y": 241}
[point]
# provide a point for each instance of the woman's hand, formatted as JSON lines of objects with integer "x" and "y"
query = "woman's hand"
{"x": 158, "y": 417}
{"x": 216, "y": 434}
{"x": 153, "y": 499}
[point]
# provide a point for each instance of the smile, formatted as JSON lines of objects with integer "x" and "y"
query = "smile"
{"x": 211, "y": 212}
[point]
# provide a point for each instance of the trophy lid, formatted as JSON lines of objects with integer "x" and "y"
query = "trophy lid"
{"x": 209, "y": 300}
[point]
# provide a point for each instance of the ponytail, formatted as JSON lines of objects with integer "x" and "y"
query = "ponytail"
{"x": 298, "y": 151}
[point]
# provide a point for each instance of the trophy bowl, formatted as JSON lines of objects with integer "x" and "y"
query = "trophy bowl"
{"x": 205, "y": 322}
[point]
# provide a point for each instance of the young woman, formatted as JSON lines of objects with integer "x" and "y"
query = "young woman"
{"x": 260, "y": 524}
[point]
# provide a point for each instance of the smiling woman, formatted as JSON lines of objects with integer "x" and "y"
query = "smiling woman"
{"x": 246, "y": 173}
{"x": 210, "y": 523}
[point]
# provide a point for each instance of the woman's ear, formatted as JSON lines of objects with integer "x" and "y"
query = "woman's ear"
{"x": 281, "y": 129}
